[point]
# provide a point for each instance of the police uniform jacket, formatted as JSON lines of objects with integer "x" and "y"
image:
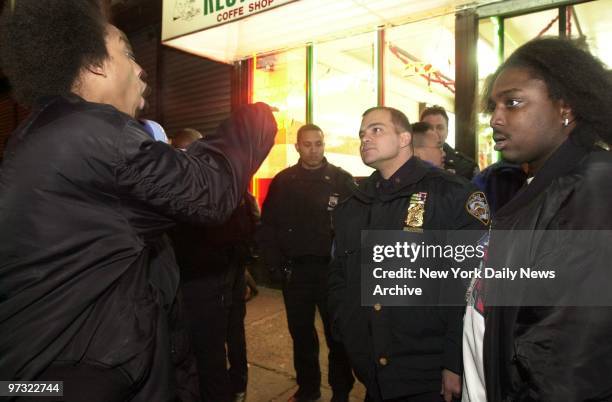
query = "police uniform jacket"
{"x": 85, "y": 196}
{"x": 398, "y": 351}
{"x": 458, "y": 163}
{"x": 554, "y": 353}
{"x": 296, "y": 215}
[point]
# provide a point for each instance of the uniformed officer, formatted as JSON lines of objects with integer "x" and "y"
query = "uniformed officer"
{"x": 401, "y": 354}
{"x": 296, "y": 238}
{"x": 456, "y": 162}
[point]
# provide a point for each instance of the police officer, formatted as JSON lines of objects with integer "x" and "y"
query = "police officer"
{"x": 401, "y": 354}
{"x": 296, "y": 238}
{"x": 455, "y": 162}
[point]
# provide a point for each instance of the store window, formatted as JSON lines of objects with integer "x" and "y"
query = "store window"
{"x": 279, "y": 79}
{"x": 420, "y": 67}
{"x": 344, "y": 86}
{"x": 489, "y": 55}
{"x": 591, "y": 22}
{"x": 523, "y": 28}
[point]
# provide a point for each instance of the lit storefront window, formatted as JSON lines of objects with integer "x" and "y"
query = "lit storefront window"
{"x": 489, "y": 58}
{"x": 279, "y": 79}
{"x": 591, "y": 21}
{"x": 520, "y": 30}
{"x": 420, "y": 67}
{"x": 419, "y": 70}
{"x": 344, "y": 86}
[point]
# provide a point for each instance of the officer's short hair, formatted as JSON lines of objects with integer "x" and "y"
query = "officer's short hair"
{"x": 308, "y": 127}
{"x": 421, "y": 127}
{"x": 419, "y": 133}
{"x": 434, "y": 110}
{"x": 399, "y": 119}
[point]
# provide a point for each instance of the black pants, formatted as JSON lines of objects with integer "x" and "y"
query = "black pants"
{"x": 236, "y": 340}
{"x": 304, "y": 290}
{"x": 207, "y": 315}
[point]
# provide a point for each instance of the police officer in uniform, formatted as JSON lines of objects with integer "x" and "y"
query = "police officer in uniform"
{"x": 401, "y": 354}
{"x": 295, "y": 240}
{"x": 455, "y": 162}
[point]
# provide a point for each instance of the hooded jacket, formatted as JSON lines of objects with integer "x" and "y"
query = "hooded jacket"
{"x": 85, "y": 195}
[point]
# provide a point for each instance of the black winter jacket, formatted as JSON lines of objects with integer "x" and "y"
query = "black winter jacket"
{"x": 85, "y": 195}
{"x": 554, "y": 353}
{"x": 415, "y": 342}
{"x": 296, "y": 215}
{"x": 458, "y": 163}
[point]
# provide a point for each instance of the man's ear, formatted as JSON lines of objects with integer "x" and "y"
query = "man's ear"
{"x": 566, "y": 112}
{"x": 296, "y": 147}
{"x": 405, "y": 139}
{"x": 97, "y": 69}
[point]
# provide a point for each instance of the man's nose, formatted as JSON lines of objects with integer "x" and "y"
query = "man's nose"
{"x": 497, "y": 118}
{"x": 142, "y": 74}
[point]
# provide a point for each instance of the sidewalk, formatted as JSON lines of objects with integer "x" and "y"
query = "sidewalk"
{"x": 270, "y": 356}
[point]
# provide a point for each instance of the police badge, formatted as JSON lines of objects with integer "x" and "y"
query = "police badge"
{"x": 333, "y": 201}
{"x": 478, "y": 207}
{"x": 415, "y": 213}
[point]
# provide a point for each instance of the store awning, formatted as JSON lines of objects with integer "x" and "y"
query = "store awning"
{"x": 230, "y": 30}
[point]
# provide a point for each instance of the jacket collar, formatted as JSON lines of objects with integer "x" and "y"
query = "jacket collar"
{"x": 323, "y": 168}
{"x": 376, "y": 186}
{"x": 43, "y": 101}
{"x": 562, "y": 161}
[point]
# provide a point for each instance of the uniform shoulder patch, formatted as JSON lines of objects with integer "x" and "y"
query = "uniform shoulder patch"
{"x": 477, "y": 206}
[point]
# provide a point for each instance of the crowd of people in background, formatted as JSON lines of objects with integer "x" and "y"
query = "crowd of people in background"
{"x": 124, "y": 253}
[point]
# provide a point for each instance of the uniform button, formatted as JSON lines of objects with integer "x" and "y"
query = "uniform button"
{"x": 289, "y": 230}
{"x": 377, "y": 307}
{"x": 383, "y": 361}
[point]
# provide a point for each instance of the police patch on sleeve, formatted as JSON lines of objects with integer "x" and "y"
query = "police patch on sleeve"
{"x": 478, "y": 207}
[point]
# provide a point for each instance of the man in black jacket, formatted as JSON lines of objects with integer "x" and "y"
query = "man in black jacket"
{"x": 455, "y": 161}
{"x": 85, "y": 196}
{"x": 296, "y": 238}
{"x": 399, "y": 353}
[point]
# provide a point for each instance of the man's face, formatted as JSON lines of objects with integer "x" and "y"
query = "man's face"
{"x": 124, "y": 86}
{"x": 311, "y": 148}
{"x": 431, "y": 150}
{"x": 438, "y": 122}
{"x": 527, "y": 124}
{"x": 380, "y": 142}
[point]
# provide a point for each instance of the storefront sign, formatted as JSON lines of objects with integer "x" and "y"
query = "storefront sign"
{"x": 181, "y": 17}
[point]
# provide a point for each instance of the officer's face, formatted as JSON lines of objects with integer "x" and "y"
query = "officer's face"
{"x": 431, "y": 150}
{"x": 381, "y": 144}
{"x": 527, "y": 124}
{"x": 311, "y": 148}
{"x": 438, "y": 122}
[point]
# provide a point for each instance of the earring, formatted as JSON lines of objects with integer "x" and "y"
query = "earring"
{"x": 566, "y": 122}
